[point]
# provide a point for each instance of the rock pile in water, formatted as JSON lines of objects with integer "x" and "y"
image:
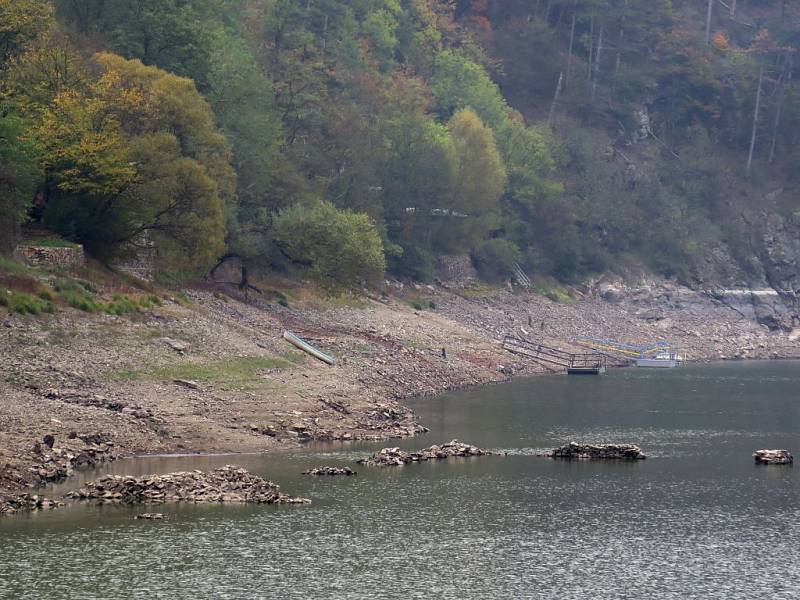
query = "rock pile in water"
{"x": 773, "y": 457}
{"x": 150, "y": 517}
{"x": 330, "y": 471}
{"x": 576, "y": 451}
{"x": 23, "y": 502}
{"x": 227, "y": 484}
{"x": 390, "y": 457}
{"x": 55, "y": 460}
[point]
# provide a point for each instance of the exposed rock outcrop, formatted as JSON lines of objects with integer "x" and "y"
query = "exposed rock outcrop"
{"x": 773, "y": 457}
{"x": 391, "y": 457}
{"x": 227, "y": 484}
{"x": 330, "y": 471}
{"x": 575, "y": 451}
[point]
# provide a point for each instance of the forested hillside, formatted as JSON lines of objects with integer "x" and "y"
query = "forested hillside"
{"x": 346, "y": 138}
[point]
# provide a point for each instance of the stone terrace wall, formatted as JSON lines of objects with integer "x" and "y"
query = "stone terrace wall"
{"x": 45, "y": 256}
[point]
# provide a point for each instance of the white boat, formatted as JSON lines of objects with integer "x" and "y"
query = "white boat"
{"x": 662, "y": 360}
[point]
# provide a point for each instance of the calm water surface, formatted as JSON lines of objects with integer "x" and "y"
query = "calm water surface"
{"x": 695, "y": 520}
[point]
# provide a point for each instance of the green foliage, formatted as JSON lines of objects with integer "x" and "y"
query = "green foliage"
{"x": 479, "y": 181}
{"x": 494, "y": 259}
{"x": 174, "y": 35}
{"x": 19, "y": 175}
{"x": 21, "y": 21}
{"x": 400, "y": 110}
{"x": 244, "y": 372}
{"x": 137, "y": 154}
{"x": 81, "y": 295}
{"x": 55, "y": 243}
{"x": 342, "y": 250}
{"x": 25, "y": 303}
{"x": 457, "y": 83}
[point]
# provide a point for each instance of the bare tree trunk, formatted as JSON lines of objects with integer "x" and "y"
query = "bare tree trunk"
{"x": 620, "y": 41}
{"x": 591, "y": 48}
{"x": 569, "y": 53}
{"x": 597, "y": 61}
{"x": 787, "y": 82}
{"x": 733, "y": 8}
{"x": 755, "y": 118}
{"x": 708, "y": 21}
{"x": 555, "y": 98}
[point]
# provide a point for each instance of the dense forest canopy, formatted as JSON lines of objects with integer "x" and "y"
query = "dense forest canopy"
{"x": 346, "y": 137}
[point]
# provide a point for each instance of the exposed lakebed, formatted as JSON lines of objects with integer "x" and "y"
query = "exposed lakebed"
{"x": 697, "y": 519}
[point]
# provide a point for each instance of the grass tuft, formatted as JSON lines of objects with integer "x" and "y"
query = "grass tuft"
{"x": 25, "y": 303}
{"x": 241, "y": 372}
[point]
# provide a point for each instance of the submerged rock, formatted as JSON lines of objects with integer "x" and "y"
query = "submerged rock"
{"x": 330, "y": 471}
{"x": 26, "y": 502}
{"x": 597, "y": 452}
{"x": 227, "y": 484}
{"x": 773, "y": 457}
{"x": 391, "y": 457}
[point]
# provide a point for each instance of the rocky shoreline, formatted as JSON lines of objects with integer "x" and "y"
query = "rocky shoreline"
{"x": 228, "y": 382}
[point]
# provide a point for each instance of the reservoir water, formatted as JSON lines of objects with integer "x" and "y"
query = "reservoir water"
{"x": 697, "y": 519}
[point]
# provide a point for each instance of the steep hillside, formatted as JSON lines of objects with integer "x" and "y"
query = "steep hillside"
{"x": 570, "y": 138}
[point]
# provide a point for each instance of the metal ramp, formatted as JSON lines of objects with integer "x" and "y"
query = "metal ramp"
{"x": 592, "y": 363}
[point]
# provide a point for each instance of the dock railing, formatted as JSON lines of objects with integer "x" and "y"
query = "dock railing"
{"x": 549, "y": 356}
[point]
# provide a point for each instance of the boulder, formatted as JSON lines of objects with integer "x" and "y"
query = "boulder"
{"x": 773, "y": 457}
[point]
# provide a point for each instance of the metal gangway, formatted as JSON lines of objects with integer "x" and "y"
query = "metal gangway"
{"x": 590, "y": 363}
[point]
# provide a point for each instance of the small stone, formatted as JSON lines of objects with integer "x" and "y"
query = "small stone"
{"x": 188, "y": 383}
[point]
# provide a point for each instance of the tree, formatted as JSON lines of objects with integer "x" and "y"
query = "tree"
{"x": 479, "y": 181}
{"x": 21, "y": 21}
{"x": 174, "y": 35}
{"x": 458, "y": 82}
{"x": 136, "y": 154}
{"x": 342, "y": 250}
{"x": 242, "y": 99}
{"x": 19, "y": 175}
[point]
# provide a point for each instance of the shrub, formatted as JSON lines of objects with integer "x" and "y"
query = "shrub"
{"x": 121, "y": 305}
{"x": 78, "y": 295}
{"x": 494, "y": 259}
{"x": 341, "y": 249}
{"x": 26, "y": 304}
